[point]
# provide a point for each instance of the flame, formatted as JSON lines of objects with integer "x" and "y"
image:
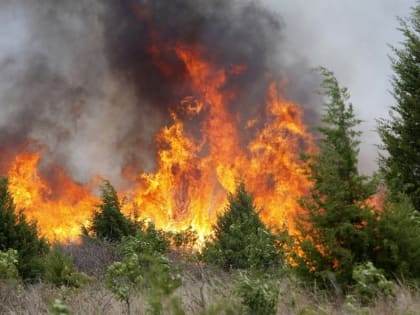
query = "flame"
{"x": 59, "y": 212}
{"x": 194, "y": 175}
{"x": 195, "y": 170}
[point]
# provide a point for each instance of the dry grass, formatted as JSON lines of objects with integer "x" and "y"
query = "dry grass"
{"x": 92, "y": 256}
{"x": 202, "y": 290}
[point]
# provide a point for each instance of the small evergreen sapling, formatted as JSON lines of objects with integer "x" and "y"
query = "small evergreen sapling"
{"x": 241, "y": 240}
{"x": 108, "y": 222}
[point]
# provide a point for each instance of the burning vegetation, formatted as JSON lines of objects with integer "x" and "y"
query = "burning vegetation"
{"x": 225, "y": 118}
{"x": 186, "y": 108}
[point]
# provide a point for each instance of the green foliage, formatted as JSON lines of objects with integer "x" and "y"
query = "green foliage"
{"x": 59, "y": 308}
{"x": 241, "y": 240}
{"x": 336, "y": 231}
{"x": 144, "y": 269}
{"x": 148, "y": 274}
{"x": 397, "y": 251}
{"x": 124, "y": 277}
{"x": 185, "y": 239}
{"x": 8, "y": 264}
{"x": 147, "y": 240}
{"x": 371, "y": 283}
{"x": 16, "y": 233}
{"x": 60, "y": 270}
{"x": 258, "y": 294}
{"x": 400, "y": 134}
{"x": 185, "y": 243}
{"x": 108, "y": 222}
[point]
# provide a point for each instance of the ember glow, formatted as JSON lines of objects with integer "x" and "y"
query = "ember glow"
{"x": 207, "y": 147}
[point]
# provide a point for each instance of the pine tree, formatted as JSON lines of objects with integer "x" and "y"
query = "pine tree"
{"x": 241, "y": 240}
{"x": 336, "y": 228}
{"x": 108, "y": 222}
{"x": 401, "y": 133}
{"x": 16, "y": 233}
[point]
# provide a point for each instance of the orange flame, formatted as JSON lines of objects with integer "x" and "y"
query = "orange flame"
{"x": 59, "y": 213}
{"x": 194, "y": 173}
{"x": 190, "y": 185}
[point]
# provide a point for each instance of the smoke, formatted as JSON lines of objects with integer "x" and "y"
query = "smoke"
{"x": 80, "y": 78}
{"x": 352, "y": 40}
{"x": 227, "y": 32}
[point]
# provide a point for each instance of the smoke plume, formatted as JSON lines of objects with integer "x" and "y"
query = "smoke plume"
{"x": 80, "y": 79}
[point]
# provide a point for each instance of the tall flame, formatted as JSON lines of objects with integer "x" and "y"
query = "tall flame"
{"x": 195, "y": 170}
{"x": 190, "y": 185}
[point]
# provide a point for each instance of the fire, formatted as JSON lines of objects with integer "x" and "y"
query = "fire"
{"x": 194, "y": 174}
{"x": 201, "y": 156}
{"x": 59, "y": 212}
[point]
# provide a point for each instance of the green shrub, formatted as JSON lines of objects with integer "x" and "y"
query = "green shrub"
{"x": 16, "y": 233}
{"x": 144, "y": 269}
{"x": 60, "y": 270}
{"x": 59, "y": 308}
{"x": 258, "y": 294}
{"x": 397, "y": 250}
{"x": 8, "y": 264}
{"x": 147, "y": 240}
{"x": 185, "y": 239}
{"x": 185, "y": 242}
{"x": 371, "y": 283}
{"x": 240, "y": 239}
{"x": 148, "y": 274}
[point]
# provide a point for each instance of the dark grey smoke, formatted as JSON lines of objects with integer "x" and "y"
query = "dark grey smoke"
{"x": 79, "y": 78}
{"x": 228, "y": 33}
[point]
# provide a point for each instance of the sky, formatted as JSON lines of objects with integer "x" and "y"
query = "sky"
{"x": 352, "y": 39}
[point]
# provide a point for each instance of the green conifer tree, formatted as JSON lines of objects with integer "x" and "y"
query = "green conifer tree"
{"x": 241, "y": 240}
{"x": 336, "y": 230}
{"x": 108, "y": 221}
{"x": 401, "y": 133}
